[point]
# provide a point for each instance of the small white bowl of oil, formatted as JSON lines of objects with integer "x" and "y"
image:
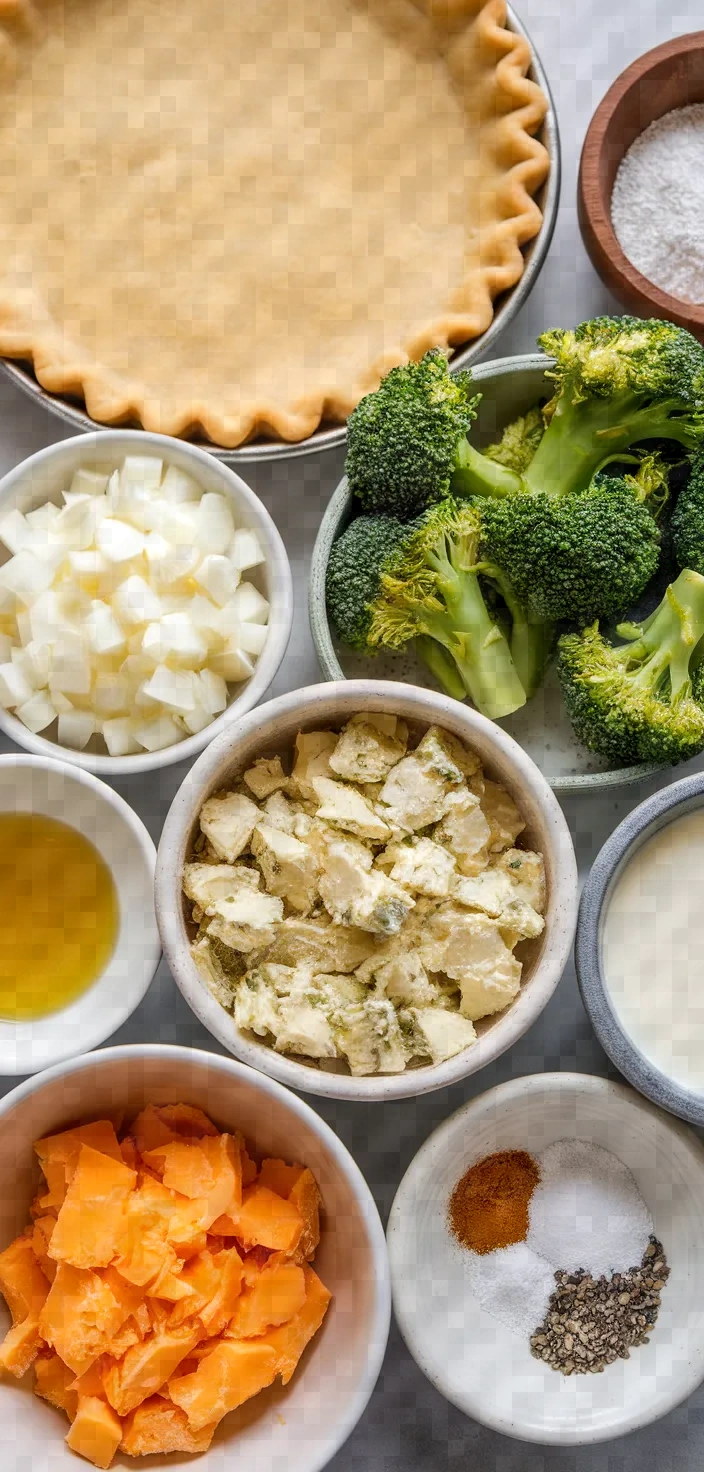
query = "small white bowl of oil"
{"x": 79, "y": 942}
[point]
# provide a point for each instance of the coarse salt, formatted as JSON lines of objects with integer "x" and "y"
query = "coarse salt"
{"x": 586, "y": 1211}
{"x": 657, "y": 205}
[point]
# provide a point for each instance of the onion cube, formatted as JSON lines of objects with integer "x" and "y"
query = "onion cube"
{"x": 70, "y": 667}
{"x": 169, "y": 564}
{"x": 215, "y": 525}
{"x": 141, "y": 471}
{"x": 135, "y": 602}
{"x": 175, "y": 636}
{"x": 245, "y": 550}
{"x": 197, "y": 719}
{"x": 41, "y": 519}
{"x": 231, "y": 663}
{"x": 45, "y": 618}
{"x": 27, "y": 575}
{"x": 37, "y": 713}
{"x": 118, "y": 541}
{"x": 5, "y": 648}
{"x": 178, "y": 486}
{"x": 24, "y": 626}
{"x": 21, "y": 660}
{"x": 118, "y": 735}
{"x": 87, "y": 483}
{"x": 177, "y": 523}
{"x": 218, "y": 578}
{"x": 111, "y": 694}
{"x": 39, "y": 658}
{"x": 74, "y": 527}
{"x": 60, "y": 702}
{"x": 249, "y": 604}
{"x": 15, "y": 688}
{"x": 203, "y": 614}
{"x": 252, "y": 638}
{"x": 155, "y": 735}
{"x": 15, "y": 531}
{"x": 87, "y": 564}
{"x": 76, "y": 728}
{"x": 171, "y": 687}
{"x": 211, "y": 691}
{"x": 102, "y": 629}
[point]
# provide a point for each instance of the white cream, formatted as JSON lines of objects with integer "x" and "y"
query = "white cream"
{"x": 653, "y": 950}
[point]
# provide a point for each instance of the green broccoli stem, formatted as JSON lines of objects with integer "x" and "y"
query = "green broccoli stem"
{"x": 479, "y": 648}
{"x": 441, "y": 666}
{"x": 665, "y": 642}
{"x": 475, "y": 475}
{"x": 530, "y": 640}
{"x": 580, "y": 438}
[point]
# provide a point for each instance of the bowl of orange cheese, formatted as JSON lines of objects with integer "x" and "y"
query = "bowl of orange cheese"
{"x": 162, "y": 1286}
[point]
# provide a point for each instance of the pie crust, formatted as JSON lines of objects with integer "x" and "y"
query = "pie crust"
{"x": 230, "y": 218}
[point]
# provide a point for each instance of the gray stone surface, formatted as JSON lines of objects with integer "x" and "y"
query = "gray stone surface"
{"x": 408, "y": 1426}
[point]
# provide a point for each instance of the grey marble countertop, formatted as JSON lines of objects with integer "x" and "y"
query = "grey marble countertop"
{"x": 408, "y": 1426}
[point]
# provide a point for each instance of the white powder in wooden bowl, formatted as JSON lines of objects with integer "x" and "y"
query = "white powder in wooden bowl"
{"x": 657, "y": 205}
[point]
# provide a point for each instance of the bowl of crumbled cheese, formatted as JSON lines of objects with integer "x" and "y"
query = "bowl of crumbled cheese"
{"x": 366, "y": 890}
{"x": 641, "y": 187}
{"x": 546, "y": 1265}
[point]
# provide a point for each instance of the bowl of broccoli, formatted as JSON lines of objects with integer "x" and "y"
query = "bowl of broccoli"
{"x": 529, "y": 537}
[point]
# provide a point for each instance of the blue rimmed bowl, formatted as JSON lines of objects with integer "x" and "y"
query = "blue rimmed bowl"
{"x": 653, "y": 815}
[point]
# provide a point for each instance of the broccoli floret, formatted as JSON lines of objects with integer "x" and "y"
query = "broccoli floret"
{"x": 356, "y": 562}
{"x": 687, "y": 523}
{"x": 424, "y": 585}
{"x": 588, "y": 549}
{"x": 579, "y": 558}
{"x": 637, "y": 702}
{"x": 402, "y": 440}
{"x": 519, "y": 441}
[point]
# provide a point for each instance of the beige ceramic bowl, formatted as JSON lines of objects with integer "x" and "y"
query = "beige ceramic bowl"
{"x": 44, "y": 476}
{"x": 273, "y": 729}
{"x": 296, "y": 1429}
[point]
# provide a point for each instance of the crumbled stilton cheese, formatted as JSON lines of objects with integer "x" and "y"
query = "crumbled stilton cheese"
{"x": 266, "y": 776}
{"x": 228, "y": 820}
{"x": 363, "y": 912}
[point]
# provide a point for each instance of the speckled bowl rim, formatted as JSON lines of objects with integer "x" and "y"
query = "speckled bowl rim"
{"x": 328, "y": 532}
{"x": 648, "y": 818}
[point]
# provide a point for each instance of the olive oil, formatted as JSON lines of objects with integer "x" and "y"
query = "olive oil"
{"x": 59, "y": 915}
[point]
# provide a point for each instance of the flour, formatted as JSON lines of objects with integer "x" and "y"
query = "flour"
{"x": 657, "y": 205}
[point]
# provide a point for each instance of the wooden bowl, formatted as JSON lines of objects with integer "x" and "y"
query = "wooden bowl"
{"x": 668, "y": 77}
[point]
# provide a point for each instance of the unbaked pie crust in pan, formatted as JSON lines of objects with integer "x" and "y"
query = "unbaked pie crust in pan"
{"x": 230, "y": 218}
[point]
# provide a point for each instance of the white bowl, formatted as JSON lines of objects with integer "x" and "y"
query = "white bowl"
{"x": 31, "y": 784}
{"x": 43, "y": 477}
{"x": 272, "y": 729}
{"x": 297, "y": 1429}
{"x": 484, "y": 1368}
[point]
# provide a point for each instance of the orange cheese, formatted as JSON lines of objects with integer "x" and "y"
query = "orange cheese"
{"x": 161, "y": 1282}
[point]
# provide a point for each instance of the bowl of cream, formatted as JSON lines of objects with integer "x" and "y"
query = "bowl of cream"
{"x": 640, "y": 948}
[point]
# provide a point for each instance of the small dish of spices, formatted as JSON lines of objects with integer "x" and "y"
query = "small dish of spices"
{"x": 545, "y": 1259}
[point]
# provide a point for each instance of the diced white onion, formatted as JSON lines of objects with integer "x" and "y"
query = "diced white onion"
{"x": 37, "y": 713}
{"x": 128, "y": 614}
{"x": 249, "y": 604}
{"x": 76, "y": 728}
{"x": 245, "y": 550}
